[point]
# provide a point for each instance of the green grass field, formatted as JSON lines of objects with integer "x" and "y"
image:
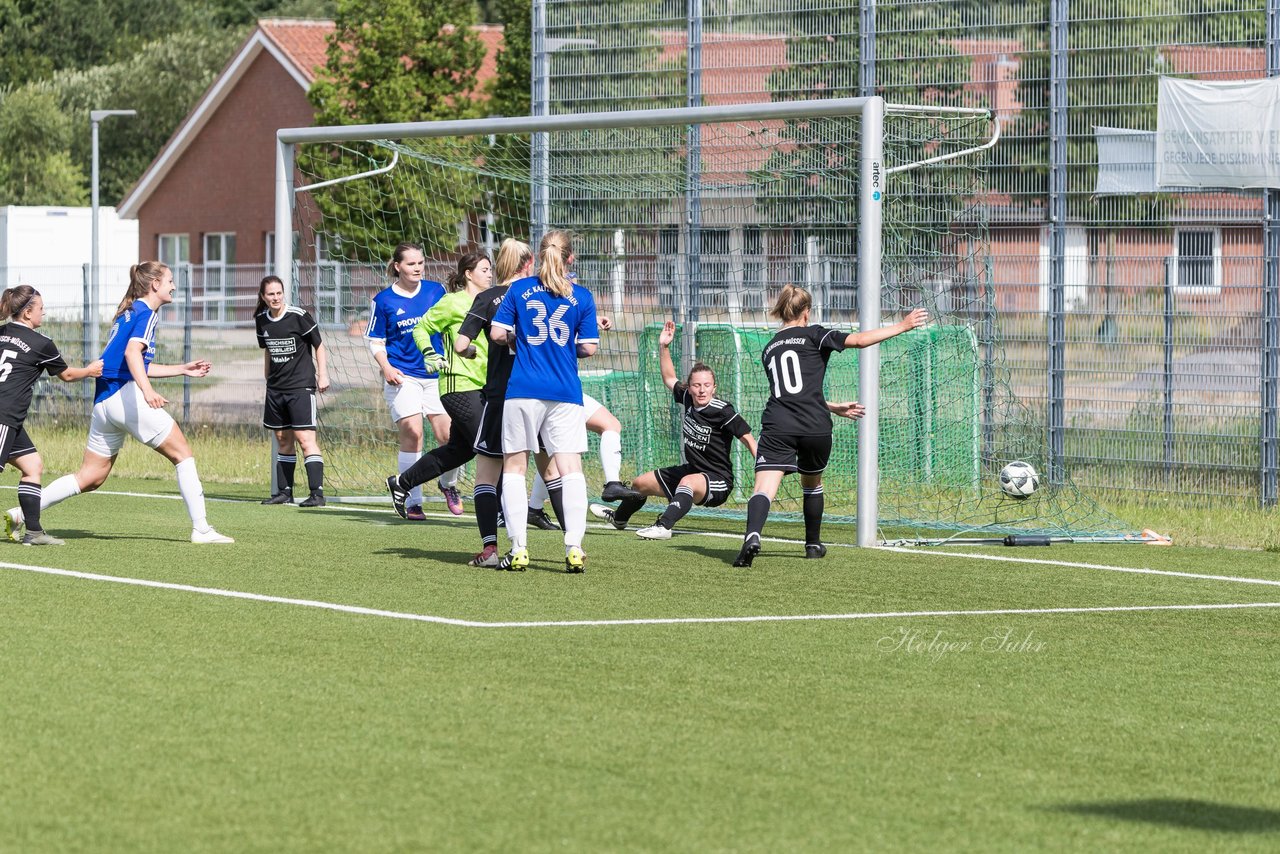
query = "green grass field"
{"x": 141, "y": 718}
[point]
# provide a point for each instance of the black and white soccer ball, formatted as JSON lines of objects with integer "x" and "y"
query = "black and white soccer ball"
{"x": 1019, "y": 479}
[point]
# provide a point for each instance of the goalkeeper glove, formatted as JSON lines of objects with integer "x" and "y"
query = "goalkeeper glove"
{"x": 434, "y": 362}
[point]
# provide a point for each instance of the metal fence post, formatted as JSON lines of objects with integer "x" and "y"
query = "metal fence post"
{"x": 1059, "y": 15}
{"x": 1269, "y": 426}
{"x": 1169, "y": 333}
{"x": 87, "y": 320}
{"x": 186, "y": 341}
{"x": 693, "y": 189}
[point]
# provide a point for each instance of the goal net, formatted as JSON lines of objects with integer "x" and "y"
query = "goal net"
{"x": 701, "y": 216}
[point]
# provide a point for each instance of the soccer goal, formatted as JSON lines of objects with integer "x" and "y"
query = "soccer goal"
{"x": 701, "y": 215}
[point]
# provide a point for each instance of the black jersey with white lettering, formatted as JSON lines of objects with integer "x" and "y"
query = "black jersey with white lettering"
{"x": 289, "y": 340}
{"x": 795, "y": 366}
{"x": 501, "y": 359}
{"x": 708, "y": 432}
{"x": 25, "y": 354}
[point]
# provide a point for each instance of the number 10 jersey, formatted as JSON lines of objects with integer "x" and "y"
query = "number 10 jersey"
{"x": 795, "y": 366}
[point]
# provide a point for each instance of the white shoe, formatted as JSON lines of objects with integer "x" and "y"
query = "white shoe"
{"x": 600, "y": 511}
{"x": 13, "y": 529}
{"x": 654, "y": 532}
{"x": 209, "y": 536}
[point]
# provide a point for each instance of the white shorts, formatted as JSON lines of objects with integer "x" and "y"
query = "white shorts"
{"x": 414, "y": 396}
{"x": 561, "y": 425}
{"x": 589, "y": 406}
{"x": 126, "y": 413}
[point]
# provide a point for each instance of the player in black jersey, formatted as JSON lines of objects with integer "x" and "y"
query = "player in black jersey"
{"x": 25, "y": 355}
{"x": 709, "y": 425}
{"x": 795, "y": 431}
{"x": 288, "y": 335}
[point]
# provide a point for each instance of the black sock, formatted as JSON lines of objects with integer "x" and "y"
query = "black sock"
{"x": 813, "y": 506}
{"x": 681, "y": 503}
{"x": 556, "y": 494}
{"x": 285, "y": 465}
{"x": 757, "y": 514}
{"x": 627, "y": 508}
{"x": 29, "y": 501}
{"x": 485, "y": 497}
{"x": 315, "y": 473}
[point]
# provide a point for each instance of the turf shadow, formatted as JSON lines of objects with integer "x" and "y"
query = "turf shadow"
{"x": 1189, "y": 813}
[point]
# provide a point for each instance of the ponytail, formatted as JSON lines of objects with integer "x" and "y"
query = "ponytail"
{"x": 141, "y": 277}
{"x": 262, "y": 290}
{"x": 457, "y": 280}
{"x": 15, "y": 300}
{"x": 554, "y": 253}
{"x": 512, "y": 255}
{"x": 791, "y": 303}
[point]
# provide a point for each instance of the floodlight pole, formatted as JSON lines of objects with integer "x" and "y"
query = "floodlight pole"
{"x": 95, "y": 315}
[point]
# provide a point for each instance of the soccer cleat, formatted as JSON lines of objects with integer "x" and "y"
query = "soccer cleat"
{"x": 750, "y": 549}
{"x": 452, "y": 499}
{"x": 814, "y": 551}
{"x": 600, "y": 511}
{"x": 575, "y": 561}
{"x": 209, "y": 536}
{"x": 399, "y": 497}
{"x": 612, "y": 517}
{"x": 516, "y": 560}
{"x": 415, "y": 514}
{"x": 316, "y": 499}
{"x": 488, "y": 557}
{"x": 654, "y": 532}
{"x": 41, "y": 538}
{"x": 12, "y": 527}
{"x": 538, "y": 518}
{"x": 615, "y": 491}
{"x": 285, "y": 497}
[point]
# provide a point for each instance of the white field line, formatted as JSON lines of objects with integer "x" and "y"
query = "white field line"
{"x": 651, "y": 621}
{"x": 1140, "y": 571}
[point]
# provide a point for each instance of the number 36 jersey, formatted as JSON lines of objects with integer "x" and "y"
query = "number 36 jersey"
{"x": 795, "y": 366}
{"x": 547, "y": 330}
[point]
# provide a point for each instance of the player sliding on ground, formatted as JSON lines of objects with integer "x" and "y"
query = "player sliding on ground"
{"x": 25, "y": 355}
{"x": 551, "y": 322}
{"x": 708, "y": 427}
{"x": 795, "y": 430}
{"x": 125, "y": 404}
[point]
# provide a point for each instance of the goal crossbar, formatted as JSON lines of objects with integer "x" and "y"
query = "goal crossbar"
{"x": 872, "y": 171}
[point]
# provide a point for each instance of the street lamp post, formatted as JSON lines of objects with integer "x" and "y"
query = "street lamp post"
{"x": 96, "y": 116}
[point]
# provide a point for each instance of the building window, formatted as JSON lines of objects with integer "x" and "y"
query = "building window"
{"x": 174, "y": 250}
{"x": 1197, "y": 261}
{"x": 219, "y": 285}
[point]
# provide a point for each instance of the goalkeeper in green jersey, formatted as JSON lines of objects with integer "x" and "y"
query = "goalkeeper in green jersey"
{"x": 460, "y": 379}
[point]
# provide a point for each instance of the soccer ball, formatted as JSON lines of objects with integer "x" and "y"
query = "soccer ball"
{"x": 1019, "y": 479}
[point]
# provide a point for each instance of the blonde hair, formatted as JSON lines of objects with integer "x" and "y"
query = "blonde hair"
{"x": 554, "y": 252}
{"x": 15, "y": 301}
{"x": 141, "y": 278}
{"x": 512, "y": 255}
{"x": 791, "y": 303}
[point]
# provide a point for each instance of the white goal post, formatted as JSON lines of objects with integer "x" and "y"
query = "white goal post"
{"x": 872, "y": 171}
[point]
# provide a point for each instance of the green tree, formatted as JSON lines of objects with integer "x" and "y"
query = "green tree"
{"x": 419, "y": 63}
{"x": 35, "y": 166}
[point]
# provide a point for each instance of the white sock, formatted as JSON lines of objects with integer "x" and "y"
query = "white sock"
{"x": 538, "y": 495}
{"x": 58, "y": 491}
{"x": 405, "y": 460}
{"x": 516, "y": 510}
{"x": 450, "y": 478}
{"x": 575, "y": 507}
{"x": 192, "y": 493}
{"x": 611, "y": 455}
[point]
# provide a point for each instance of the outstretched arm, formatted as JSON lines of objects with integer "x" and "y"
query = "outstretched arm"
{"x": 93, "y": 369}
{"x": 916, "y": 318}
{"x": 665, "y": 338}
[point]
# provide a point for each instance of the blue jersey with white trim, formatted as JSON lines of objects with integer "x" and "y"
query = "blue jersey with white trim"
{"x": 138, "y": 323}
{"x": 392, "y": 318}
{"x": 547, "y": 331}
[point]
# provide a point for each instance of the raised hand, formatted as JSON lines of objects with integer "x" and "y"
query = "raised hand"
{"x": 668, "y": 334}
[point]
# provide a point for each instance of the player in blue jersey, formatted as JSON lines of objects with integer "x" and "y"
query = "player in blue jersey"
{"x": 126, "y": 404}
{"x": 551, "y": 323}
{"x": 410, "y": 386}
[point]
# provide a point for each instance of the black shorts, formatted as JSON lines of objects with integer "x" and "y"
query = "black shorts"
{"x": 14, "y": 443}
{"x": 805, "y": 454}
{"x": 489, "y": 434}
{"x": 294, "y": 409}
{"x": 718, "y": 485}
